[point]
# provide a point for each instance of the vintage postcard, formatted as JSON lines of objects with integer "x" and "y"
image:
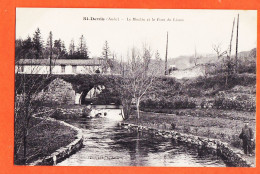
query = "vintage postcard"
{"x": 135, "y": 87}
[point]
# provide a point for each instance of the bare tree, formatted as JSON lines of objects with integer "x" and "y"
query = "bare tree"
{"x": 27, "y": 103}
{"x": 196, "y": 57}
{"x": 159, "y": 63}
{"x": 137, "y": 77}
{"x": 217, "y": 48}
{"x": 220, "y": 54}
{"x": 226, "y": 65}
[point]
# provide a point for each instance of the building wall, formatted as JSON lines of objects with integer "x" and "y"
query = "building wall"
{"x": 57, "y": 69}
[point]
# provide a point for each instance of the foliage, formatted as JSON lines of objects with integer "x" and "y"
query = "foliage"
{"x": 244, "y": 102}
{"x": 107, "y": 96}
{"x": 26, "y": 90}
{"x": 37, "y": 44}
{"x": 82, "y": 52}
{"x": 235, "y": 141}
{"x": 176, "y": 102}
{"x": 34, "y": 48}
{"x": 106, "y": 53}
{"x": 217, "y": 82}
{"x": 164, "y": 92}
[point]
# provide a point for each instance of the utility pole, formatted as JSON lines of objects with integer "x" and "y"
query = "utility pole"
{"x": 166, "y": 67}
{"x": 237, "y": 41}
{"x": 230, "y": 46}
{"x": 229, "y": 55}
{"x": 50, "y": 50}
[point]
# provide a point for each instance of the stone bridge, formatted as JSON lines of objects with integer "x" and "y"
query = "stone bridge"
{"x": 70, "y": 89}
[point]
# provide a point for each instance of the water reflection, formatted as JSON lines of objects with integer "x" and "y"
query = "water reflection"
{"x": 106, "y": 144}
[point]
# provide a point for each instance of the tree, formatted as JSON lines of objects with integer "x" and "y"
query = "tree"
{"x": 49, "y": 46}
{"x": 18, "y": 48}
{"x": 82, "y": 49}
{"x": 227, "y": 63}
{"x": 220, "y": 54}
{"x": 57, "y": 47}
{"x": 72, "y": 48}
{"x": 37, "y": 43}
{"x": 49, "y": 50}
{"x": 27, "y": 103}
{"x": 159, "y": 63}
{"x": 137, "y": 77}
{"x": 218, "y": 50}
{"x": 63, "y": 50}
{"x": 106, "y": 54}
{"x": 24, "y": 49}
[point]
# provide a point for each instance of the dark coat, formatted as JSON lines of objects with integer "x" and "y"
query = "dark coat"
{"x": 246, "y": 134}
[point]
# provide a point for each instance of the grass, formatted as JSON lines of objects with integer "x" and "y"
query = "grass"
{"x": 225, "y": 125}
{"x": 44, "y": 138}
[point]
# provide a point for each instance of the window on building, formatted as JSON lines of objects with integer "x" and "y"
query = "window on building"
{"x": 63, "y": 68}
{"x": 20, "y": 68}
{"x": 74, "y": 68}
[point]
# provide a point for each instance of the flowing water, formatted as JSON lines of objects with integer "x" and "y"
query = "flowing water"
{"x": 106, "y": 144}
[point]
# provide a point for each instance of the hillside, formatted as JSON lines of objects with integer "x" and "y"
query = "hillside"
{"x": 184, "y": 62}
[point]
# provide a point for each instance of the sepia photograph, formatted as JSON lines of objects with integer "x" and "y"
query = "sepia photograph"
{"x": 135, "y": 87}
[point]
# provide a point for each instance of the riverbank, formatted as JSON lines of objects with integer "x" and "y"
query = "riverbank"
{"x": 225, "y": 128}
{"x": 64, "y": 151}
{"x": 45, "y": 137}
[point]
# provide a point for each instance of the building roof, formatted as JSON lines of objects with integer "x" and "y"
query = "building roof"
{"x": 89, "y": 62}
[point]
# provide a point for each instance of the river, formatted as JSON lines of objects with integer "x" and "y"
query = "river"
{"x": 106, "y": 144}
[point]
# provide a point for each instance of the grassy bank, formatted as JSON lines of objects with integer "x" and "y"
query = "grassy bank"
{"x": 224, "y": 125}
{"x": 44, "y": 138}
{"x": 220, "y": 124}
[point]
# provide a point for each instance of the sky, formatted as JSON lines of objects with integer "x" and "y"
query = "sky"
{"x": 125, "y": 28}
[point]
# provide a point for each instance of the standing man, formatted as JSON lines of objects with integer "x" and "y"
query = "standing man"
{"x": 247, "y": 137}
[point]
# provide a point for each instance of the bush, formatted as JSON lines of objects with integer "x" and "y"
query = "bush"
{"x": 243, "y": 102}
{"x": 219, "y": 82}
{"x": 236, "y": 142}
{"x": 207, "y": 103}
{"x": 193, "y": 92}
{"x": 86, "y": 111}
{"x": 177, "y": 102}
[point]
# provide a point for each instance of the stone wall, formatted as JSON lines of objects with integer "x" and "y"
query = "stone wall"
{"x": 228, "y": 154}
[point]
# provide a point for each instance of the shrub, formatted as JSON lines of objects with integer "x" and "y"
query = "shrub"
{"x": 173, "y": 126}
{"x": 186, "y": 129}
{"x": 193, "y": 92}
{"x": 176, "y": 102}
{"x": 235, "y": 141}
{"x": 207, "y": 103}
{"x": 85, "y": 112}
{"x": 237, "y": 102}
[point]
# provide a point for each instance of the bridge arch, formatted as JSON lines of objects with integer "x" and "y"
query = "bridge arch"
{"x": 86, "y": 97}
